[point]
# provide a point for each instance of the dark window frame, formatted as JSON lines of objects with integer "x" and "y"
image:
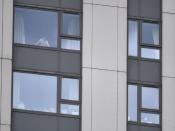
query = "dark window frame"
{"x": 70, "y": 38}
{"x": 159, "y": 84}
{"x": 59, "y": 100}
{"x": 59, "y": 30}
{"x": 70, "y": 102}
{"x": 138, "y": 38}
{"x": 149, "y": 44}
{"x": 139, "y": 104}
{"x": 150, "y": 109}
{"x": 142, "y": 45}
{"x": 79, "y": 93}
{"x": 61, "y": 24}
{"x": 58, "y": 74}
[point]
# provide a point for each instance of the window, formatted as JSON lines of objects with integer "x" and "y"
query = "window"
{"x": 144, "y": 65}
{"x": 70, "y": 96}
{"x": 47, "y": 65}
{"x": 70, "y": 109}
{"x": 70, "y": 44}
{"x": 133, "y": 38}
{"x": 150, "y": 53}
{"x": 150, "y": 98}
{"x": 70, "y": 89}
{"x": 150, "y": 33}
{"x": 143, "y": 98}
{"x": 150, "y": 118}
{"x": 34, "y": 92}
{"x": 43, "y": 31}
{"x": 71, "y": 24}
{"x": 150, "y": 36}
{"x": 132, "y": 102}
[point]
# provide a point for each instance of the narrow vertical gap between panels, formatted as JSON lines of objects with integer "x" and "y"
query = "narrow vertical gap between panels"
{"x": 92, "y": 37}
{"x": 0, "y": 90}
{"x": 92, "y": 33}
{"x": 1, "y": 60}
{"x": 2, "y": 28}
{"x": 117, "y": 69}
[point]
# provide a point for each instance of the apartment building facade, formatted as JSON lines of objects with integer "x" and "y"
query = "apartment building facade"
{"x": 87, "y": 65}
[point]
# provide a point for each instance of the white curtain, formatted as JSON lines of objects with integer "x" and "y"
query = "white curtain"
{"x": 73, "y": 27}
{"x": 19, "y": 30}
{"x": 17, "y": 103}
{"x": 155, "y": 34}
{"x": 133, "y": 36}
{"x": 70, "y": 89}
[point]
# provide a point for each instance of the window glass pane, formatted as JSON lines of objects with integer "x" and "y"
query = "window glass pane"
{"x": 70, "y": 89}
{"x": 150, "y": 98}
{"x": 150, "y": 118}
{"x": 150, "y": 53}
{"x": 133, "y": 38}
{"x": 34, "y": 92}
{"x": 150, "y": 33}
{"x": 132, "y": 103}
{"x": 70, "y": 109}
{"x": 71, "y": 24}
{"x": 70, "y": 44}
{"x": 35, "y": 27}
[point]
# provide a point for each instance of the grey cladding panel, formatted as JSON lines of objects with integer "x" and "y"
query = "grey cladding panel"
{"x": 72, "y": 4}
{"x": 33, "y": 122}
{"x": 147, "y": 128}
{"x": 133, "y": 70}
{"x": 133, "y": 127}
{"x": 51, "y": 3}
{"x": 70, "y": 62}
{"x": 133, "y": 7}
{"x": 36, "y": 59}
{"x": 150, "y": 8}
{"x": 69, "y": 124}
{"x": 150, "y": 71}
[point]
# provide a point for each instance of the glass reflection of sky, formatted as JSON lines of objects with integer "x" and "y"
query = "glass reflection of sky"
{"x": 133, "y": 38}
{"x": 132, "y": 103}
{"x": 36, "y": 27}
{"x": 34, "y": 92}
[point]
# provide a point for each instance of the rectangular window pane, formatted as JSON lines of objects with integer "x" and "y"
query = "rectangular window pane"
{"x": 150, "y": 98}
{"x": 150, "y": 33}
{"x": 35, "y": 27}
{"x": 132, "y": 103}
{"x": 70, "y": 89}
{"x": 150, "y": 53}
{"x": 70, "y": 44}
{"x": 71, "y": 24}
{"x": 70, "y": 109}
{"x": 133, "y": 38}
{"x": 150, "y": 118}
{"x": 34, "y": 92}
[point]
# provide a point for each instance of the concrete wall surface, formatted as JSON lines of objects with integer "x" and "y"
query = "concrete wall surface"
{"x": 104, "y": 65}
{"x": 168, "y": 62}
{"x": 6, "y": 22}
